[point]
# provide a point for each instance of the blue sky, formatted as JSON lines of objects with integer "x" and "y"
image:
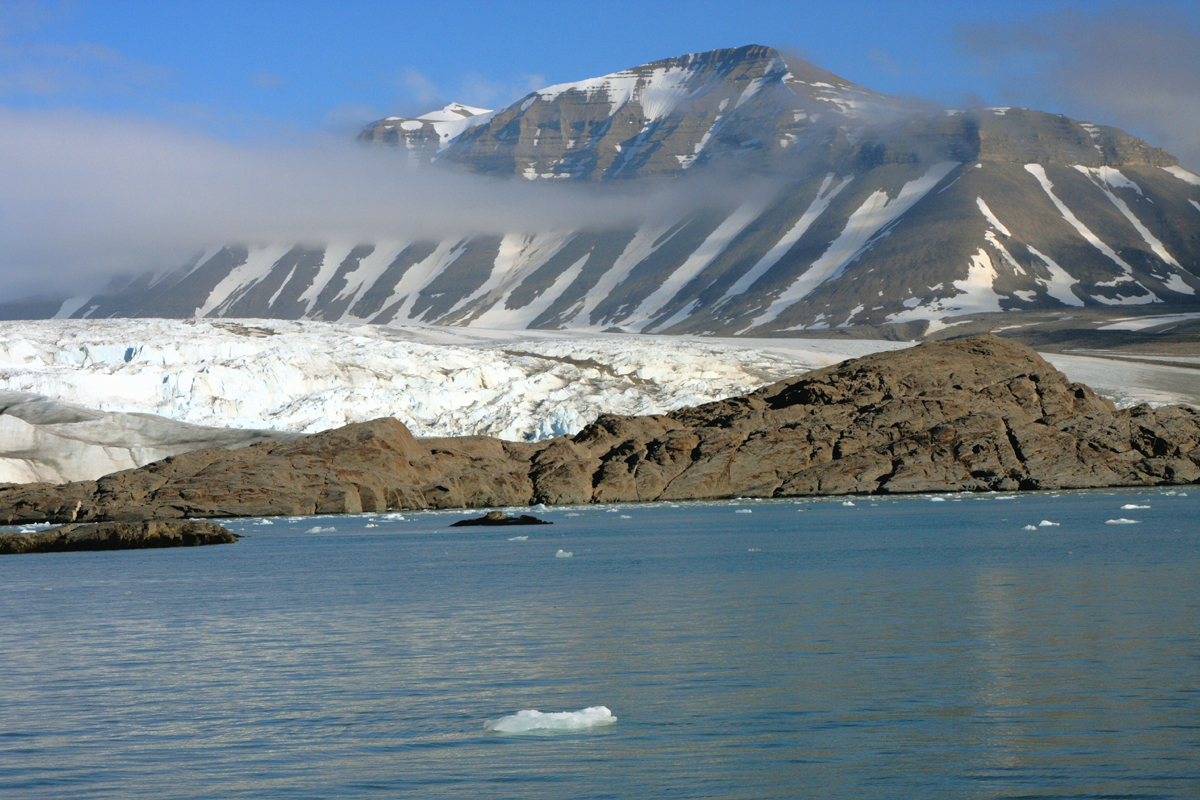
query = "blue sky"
{"x": 134, "y": 134}
{"x": 252, "y": 69}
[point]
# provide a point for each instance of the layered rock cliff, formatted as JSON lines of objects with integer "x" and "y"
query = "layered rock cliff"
{"x": 973, "y": 414}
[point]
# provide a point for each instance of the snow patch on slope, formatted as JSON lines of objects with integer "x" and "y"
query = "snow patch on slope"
{"x": 990, "y": 217}
{"x": 1184, "y": 175}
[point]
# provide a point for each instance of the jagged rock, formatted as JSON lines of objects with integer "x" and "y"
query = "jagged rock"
{"x": 974, "y": 414}
{"x": 117, "y": 536}
{"x": 500, "y": 518}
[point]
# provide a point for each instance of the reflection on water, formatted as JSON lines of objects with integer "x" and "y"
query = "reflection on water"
{"x": 898, "y": 648}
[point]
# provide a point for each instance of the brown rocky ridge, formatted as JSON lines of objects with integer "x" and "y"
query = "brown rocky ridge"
{"x": 117, "y": 536}
{"x": 979, "y": 413}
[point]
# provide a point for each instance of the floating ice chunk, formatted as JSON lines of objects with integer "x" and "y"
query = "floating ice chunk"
{"x": 753, "y": 550}
{"x": 562, "y": 554}
{"x": 1030, "y": 528}
{"x": 530, "y": 721}
{"x": 539, "y": 507}
{"x": 937, "y": 499}
{"x": 847, "y": 503}
{"x": 264, "y": 522}
{"x": 744, "y": 511}
{"x": 370, "y": 525}
{"x": 1132, "y": 506}
{"x": 319, "y": 529}
{"x": 1047, "y": 524}
{"x": 626, "y": 516}
{"x": 1121, "y": 521}
{"x": 572, "y": 514}
{"x": 519, "y": 539}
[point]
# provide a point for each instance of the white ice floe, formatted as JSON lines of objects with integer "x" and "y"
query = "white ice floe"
{"x": 531, "y": 721}
{"x": 319, "y": 529}
{"x": 1132, "y": 507}
{"x": 1047, "y": 524}
{"x": 937, "y": 499}
{"x": 744, "y": 511}
{"x": 518, "y": 538}
{"x": 563, "y": 554}
{"x": 1121, "y": 521}
{"x": 847, "y": 502}
{"x": 1030, "y": 528}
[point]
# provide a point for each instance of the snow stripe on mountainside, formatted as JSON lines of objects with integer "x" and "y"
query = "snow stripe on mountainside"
{"x": 1104, "y": 177}
{"x": 877, "y": 212}
{"x": 713, "y": 246}
{"x": 824, "y": 196}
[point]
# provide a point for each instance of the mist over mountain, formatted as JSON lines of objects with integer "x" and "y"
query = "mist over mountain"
{"x": 739, "y": 191}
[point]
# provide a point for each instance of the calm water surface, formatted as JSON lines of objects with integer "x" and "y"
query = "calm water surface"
{"x": 897, "y": 648}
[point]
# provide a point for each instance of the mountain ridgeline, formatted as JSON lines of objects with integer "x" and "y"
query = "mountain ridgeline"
{"x": 864, "y": 212}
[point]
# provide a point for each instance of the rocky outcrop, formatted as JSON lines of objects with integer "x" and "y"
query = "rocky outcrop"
{"x": 500, "y": 518}
{"x": 116, "y": 536}
{"x": 973, "y": 414}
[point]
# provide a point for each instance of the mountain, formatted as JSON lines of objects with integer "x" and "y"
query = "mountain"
{"x": 856, "y": 212}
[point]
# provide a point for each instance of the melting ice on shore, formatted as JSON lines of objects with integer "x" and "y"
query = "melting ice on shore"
{"x": 530, "y": 721}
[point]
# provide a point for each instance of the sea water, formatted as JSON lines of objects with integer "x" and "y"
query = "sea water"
{"x": 919, "y": 647}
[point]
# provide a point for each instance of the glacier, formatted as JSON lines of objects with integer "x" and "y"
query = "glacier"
{"x": 83, "y": 398}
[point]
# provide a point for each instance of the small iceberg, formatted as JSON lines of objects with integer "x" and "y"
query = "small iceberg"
{"x": 1030, "y": 528}
{"x": 530, "y": 721}
{"x": 1047, "y": 524}
{"x": 319, "y": 529}
{"x": 518, "y": 538}
{"x": 625, "y": 516}
{"x": 937, "y": 499}
{"x": 1132, "y": 507}
{"x": 563, "y": 554}
{"x": 744, "y": 511}
{"x": 847, "y": 503}
{"x": 1121, "y": 521}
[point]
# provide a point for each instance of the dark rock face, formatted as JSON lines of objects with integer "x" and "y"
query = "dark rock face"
{"x": 116, "y": 536}
{"x": 500, "y": 518}
{"x": 974, "y": 414}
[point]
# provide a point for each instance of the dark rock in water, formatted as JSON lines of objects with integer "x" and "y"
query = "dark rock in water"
{"x": 117, "y": 536}
{"x": 979, "y": 413}
{"x": 500, "y": 518}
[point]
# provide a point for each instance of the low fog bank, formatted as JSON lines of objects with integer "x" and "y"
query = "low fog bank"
{"x": 87, "y": 196}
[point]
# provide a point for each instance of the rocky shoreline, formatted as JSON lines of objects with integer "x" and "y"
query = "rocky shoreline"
{"x": 979, "y": 413}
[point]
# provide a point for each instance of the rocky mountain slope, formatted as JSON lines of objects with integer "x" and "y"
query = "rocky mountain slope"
{"x": 972, "y": 414}
{"x": 853, "y": 211}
